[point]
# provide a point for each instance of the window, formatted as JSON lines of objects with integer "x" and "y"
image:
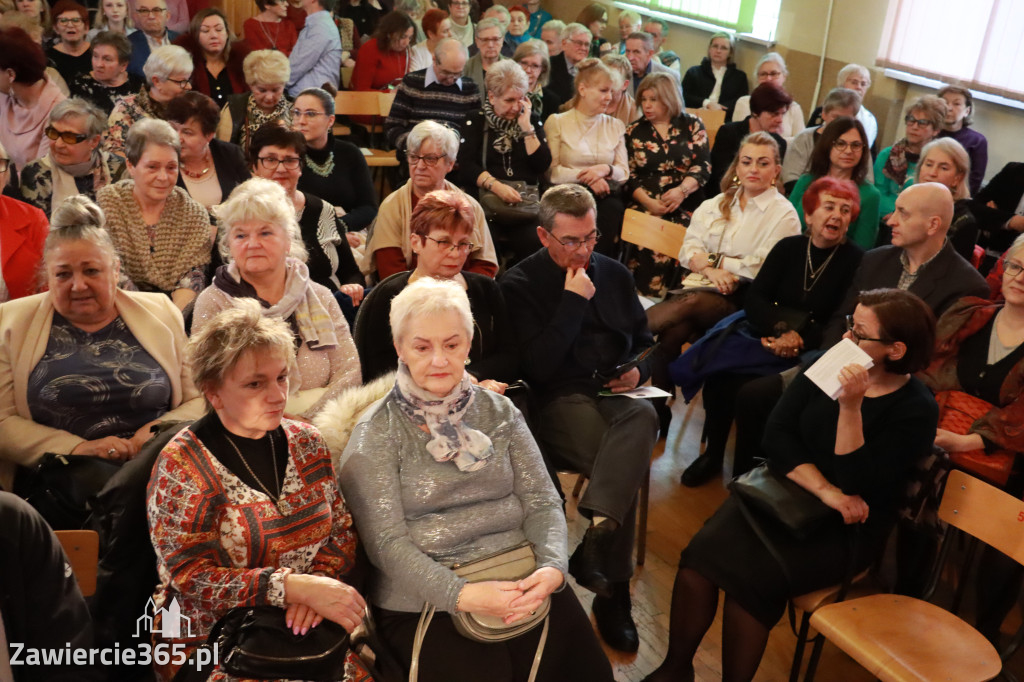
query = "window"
{"x": 758, "y": 18}
{"x": 979, "y": 48}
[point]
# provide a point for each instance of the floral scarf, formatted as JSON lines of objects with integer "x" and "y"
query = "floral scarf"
{"x": 507, "y": 131}
{"x": 450, "y": 439}
{"x": 897, "y": 164}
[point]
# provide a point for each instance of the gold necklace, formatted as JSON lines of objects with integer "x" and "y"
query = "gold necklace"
{"x": 197, "y": 175}
{"x": 273, "y": 456}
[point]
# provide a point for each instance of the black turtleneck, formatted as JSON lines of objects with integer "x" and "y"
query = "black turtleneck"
{"x": 257, "y": 453}
{"x": 349, "y": 185}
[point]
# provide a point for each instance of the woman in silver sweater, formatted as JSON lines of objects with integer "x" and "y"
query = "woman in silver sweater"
{"x": 440, "y": 473}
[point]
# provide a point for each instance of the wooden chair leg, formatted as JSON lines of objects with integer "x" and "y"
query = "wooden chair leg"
{"x": 801, "y": 643}
{"x": 578, "y": 488}
{"x": 641, "y": 541}
{"x": 812, "y": 665}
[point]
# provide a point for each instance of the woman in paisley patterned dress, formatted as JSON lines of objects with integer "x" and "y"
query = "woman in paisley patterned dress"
{"x": 243, "y": 507}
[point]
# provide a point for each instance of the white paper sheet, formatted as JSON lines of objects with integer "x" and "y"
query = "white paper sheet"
{"x": 641, "y": 392}
{"x": 825, "y": 372}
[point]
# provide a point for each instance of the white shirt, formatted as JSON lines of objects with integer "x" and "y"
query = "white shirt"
{"x": 867, "y": 119}
{"x": 420, "y": 57}
{"x": 792, "y": 123}
{"x": 747, "y": 237}
{"x": 719, "y": 72}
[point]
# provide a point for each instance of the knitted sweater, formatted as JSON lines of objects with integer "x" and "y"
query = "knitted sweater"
{"x": 415, "y": 102}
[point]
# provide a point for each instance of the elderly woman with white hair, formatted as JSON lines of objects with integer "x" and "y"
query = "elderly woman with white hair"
{"x": 168, "y": 70}
{"x": 163, "y": 236}
{"x": 432, "y": 152}
{"x": 771, "y": 68}
{"x": 440, "y": 473}
{"x": 945, "y": 161}
{"x": 265, "y": 260}
{"x": 75, "y": 163}
{"x": 857, "y": 78}
{"x": 266, "y": 73}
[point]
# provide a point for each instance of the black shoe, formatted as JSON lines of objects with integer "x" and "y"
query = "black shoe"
{"x": 703, "y": 469}
{"x": 615, "y": 619}
{"x": 587, "y": 563}
{"x": 664, "y": 416}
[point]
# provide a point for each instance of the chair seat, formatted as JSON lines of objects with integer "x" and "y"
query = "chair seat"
{"x": 381, "y": 159}
{"x": 909, "y": 640}
{"x": 812, "y": 601}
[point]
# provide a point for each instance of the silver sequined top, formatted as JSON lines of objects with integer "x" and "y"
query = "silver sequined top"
{"x": 417, "y": 516}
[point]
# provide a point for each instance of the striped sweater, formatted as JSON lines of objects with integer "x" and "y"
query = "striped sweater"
{"x": 414, "y": 102}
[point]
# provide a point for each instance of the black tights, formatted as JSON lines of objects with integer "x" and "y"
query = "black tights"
{"x": 681, "y": 319}
{"x": 694, "y": 602}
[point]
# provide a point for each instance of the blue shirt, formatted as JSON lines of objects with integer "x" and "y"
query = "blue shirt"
{"x": 316, "y": 57}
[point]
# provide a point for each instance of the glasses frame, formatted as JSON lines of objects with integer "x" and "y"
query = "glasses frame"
{"x": 1012, "y": 268}
{"x": 857, "y": 338}
{"x": 184, "y": 84}
{"x": 272, "y": 162}
{"x": 146, "y": 12}
{"x": 429, "y": 161}
{"x": 306, "y": 113}
{"x": 450, "y": 246}
{"x": 68, "y": 21}
{"x": 841, "y": 145}
{"x": 920, "y": 122}
{"x": 54, "y": 134}
{"x": 573, "y": 244}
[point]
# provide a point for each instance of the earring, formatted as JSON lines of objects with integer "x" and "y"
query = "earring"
{"x": 467, "y": 361}
{"x": 735, "y": 179}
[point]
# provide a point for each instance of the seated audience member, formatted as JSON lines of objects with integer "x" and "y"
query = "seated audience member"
{"x": 438, "y": 93}
{"x": 23, "y": 229}
{"x": 364, "y": 14}
{"x": 854, "y": 77}
{"x": 595, "y": 18}
{"x": 384, "y": 59}
{"x": 489, "y": 34}
{"x": 316, "y": 57}
{"x": 266, "y": 74}
{"x": 333, "y": 169}
{"x": 576, "y": 314}
{"x": 414, "y": 9}
{"x": 799, "y": 286}
{"x": 437, "y": 26}
{"x": 151, "y": 18}
{"x": 575, "y": 46}
{"x": 517, "y": 28}
{"x": 462, "y": 25}
{"x": 532, "y": 56}
{"x": 440, "y": 228}
{"x": 716, "y": 83}
{"x": 41, "y": 604}
{"x": 162, "y": 235}
{"x": 768, "y": 106}
{"x": 168, "y": 70}
{"x": 658, "y": 30}
{"x": 27, "y": 96}
{"x": 728, "y": 239}
{"x": 629, "y": 22}
{"x": 87, "y": 377}
{"x": 771, "y": 68}
{"x": 442, "y": 455}
{"x": 108, "y": 81}
{"x": 639, "y": 51}
{"x": 70, "y": 53}
{"x": 270, "y": 29}
{"x": 999, "y": 209}
{"x": 588, "y": 147}
{"x": 551, "y": 35}
{"x": 178, "y": 13}
{"x": 960, "y": 108}
{"x": 503, "y": 154}
{"x": 39, "y": 12}
{"x": 838, "y": 102}
{"x": 75, "y": 163}
{"x": 504, "y": 17}
{"x": 432, "y": 151}
{"x": 896, "y": 164}
{"x": 216, "y": 56}
{"x": 276, "y": 154}
{"x": 946, "y": 162}
{"x": 842, "y": 152}
{"x": 250, "y": 473}
{"x": 538, "y": 18}
{"x": 668, "y": 167}
{"x": 265, "y": 259}
{"x": 209, "y": 168}
{"x": 622, "y": 105}
{"x": 111, "y": 15}
{"x": 856, "y": 454}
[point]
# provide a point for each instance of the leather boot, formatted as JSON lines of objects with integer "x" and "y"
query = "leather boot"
{"x": 587, "y": 563}
{"x": 615, "y": 619}
{"x": 703, "y": 469}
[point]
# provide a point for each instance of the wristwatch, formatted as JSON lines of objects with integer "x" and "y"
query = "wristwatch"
{"x": 714, "y": 259}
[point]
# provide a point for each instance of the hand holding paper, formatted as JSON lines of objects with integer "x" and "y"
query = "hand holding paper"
{"x": 825, "y": 372}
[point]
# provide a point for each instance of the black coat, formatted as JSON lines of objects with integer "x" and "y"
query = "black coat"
{"x": 699, "y": 81}
{"x": 560, "y": 81}
{"x": 1005, "y": 191}
{"x": 229, "y": 162}
{"x": 727, "y": 145}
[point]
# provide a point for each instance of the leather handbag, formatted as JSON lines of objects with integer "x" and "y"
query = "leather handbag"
{"x": 788, "y": 503}
{"x": 61, "y": 487}
{"x": 254, "y": 642}
{"x": 496, "y": 210}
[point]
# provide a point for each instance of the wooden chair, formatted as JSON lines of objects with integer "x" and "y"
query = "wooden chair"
{"x": 83, "y": 550}
{"x": 899, "y": 639}
{"x": 651, "y": 232}
{"x": 713, "y": 119}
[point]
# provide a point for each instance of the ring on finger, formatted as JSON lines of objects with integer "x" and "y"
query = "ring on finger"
{"x": 111, "y": 451}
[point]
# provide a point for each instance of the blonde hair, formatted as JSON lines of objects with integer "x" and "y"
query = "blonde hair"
{"x": 266, "y": 67}
{"x": 260, "y": 200}
{"x": 961, "y": 160}
{"x": 588, "y": 72}
{"x": 729, "y": 187}
{"x": 666, "y": 90}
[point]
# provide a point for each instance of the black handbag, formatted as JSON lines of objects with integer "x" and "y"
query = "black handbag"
{"x": 495, "y": 208}
{"x": 254, "y": 642}
{"x": 61, "y": 487}
{"x": 788, "y": 503}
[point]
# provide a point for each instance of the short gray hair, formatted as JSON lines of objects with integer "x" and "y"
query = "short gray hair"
{"x": 428, "y": 297}
{"x": 772, "y": 57}
{"x": 149, "y": 131}
{"x": 324, "y": 97}
{"x": 646, "y": 37}
{"x": 845, "y": 72}
{"x": 260, "y": 200}
{"x": 1016, "y": 246}
{"x": 506, "y": 16}
{"x": 506, "y": 75}
{"x": 568, "y": 199}
{"x": 167, "y": 60}
{"x": 266, "y": 67}
{"x": 443, "y": 136}
{"x": 95, "y": 119}
{"x": 572, "y": 29}
{"x": 960, "y": 158}
{"x": 842, "y": 98}
{"x": 490, "y": 22}
{"x": 79, "y": 218}
{"x": 553, "y": 25}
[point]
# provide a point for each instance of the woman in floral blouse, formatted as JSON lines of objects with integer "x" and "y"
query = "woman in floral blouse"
{"x": 669, "y": 163}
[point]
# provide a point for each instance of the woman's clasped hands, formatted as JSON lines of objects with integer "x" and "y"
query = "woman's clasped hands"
{"x": 508, "y": 599}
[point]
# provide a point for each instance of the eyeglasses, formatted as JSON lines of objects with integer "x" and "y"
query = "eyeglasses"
{"x": 272, "y": 162}
{"x": 69, "y": 21}
{"x": 67, "y": 136}
{"x": 580, "y": 43}
{"x": 527, "y": 66}
{"x": 430, "y": 161}
{"x": 573, "y": 244}
{"x": 769, "y": 74}
{"x": 857, "y": 338}
{"x": 145, "y": 11}
{"x": 1010, "y": 267}
{"x": 910, "y": 120}
{"x": 490, "y": 40}
{"x": 841, "y": 145}
{"x": 449, "y": 246}
{"x": 185, "y": 84}
{"x": 308, "y": 113}
{"x": 4, "y": 165}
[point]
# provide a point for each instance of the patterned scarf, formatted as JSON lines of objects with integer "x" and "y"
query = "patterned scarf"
{"x": 63, "y": 177}
{"x": 256, "y": 117}
{"x": 508, "y": 131}
{"x": 896, "y": 165}
{"x": 537, "y": 101}
{"x": 450, "y": 439}
{"x": 150, "y": 106}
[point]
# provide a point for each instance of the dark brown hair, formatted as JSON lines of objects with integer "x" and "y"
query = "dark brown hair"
{"x": 390, "y": 24}
{"x": 275, "y": 134}
{"x": 19, "y": 52}
{"x": 821, "y": 157}
{"x": 194, "y": 105}
{"x": 902, "y": 316}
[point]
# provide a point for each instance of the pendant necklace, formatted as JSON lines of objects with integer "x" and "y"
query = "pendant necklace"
{"x": 276, "y": 499}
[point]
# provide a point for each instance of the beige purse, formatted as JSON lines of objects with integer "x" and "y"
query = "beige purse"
{"x": 510, "y": 564}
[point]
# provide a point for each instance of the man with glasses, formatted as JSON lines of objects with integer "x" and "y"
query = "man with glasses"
{"x": 575, "y": 48}
{"x": 579, "y": 325}
{"x": 437, "y": 93}
{"x": 463, "y": 28}
{"x": 490, "y": 36}
{"x": 658, "y": 28}
{"x": 151, "y": 19}
{"x": 316, "y": 57}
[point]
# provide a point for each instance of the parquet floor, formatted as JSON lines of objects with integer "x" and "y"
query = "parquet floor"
{"x": 676, "y": 513}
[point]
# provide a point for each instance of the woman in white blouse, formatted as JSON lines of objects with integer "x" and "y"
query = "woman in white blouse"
{"x": 727, "y": 241}
{"x": 589, "y": 147}
{"x": 771, "y": 68}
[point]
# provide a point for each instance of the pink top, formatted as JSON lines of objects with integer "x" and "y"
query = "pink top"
{"x": 21, "y": 128}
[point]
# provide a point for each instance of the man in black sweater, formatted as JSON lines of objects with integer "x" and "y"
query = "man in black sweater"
{"x": 578, "y": 320}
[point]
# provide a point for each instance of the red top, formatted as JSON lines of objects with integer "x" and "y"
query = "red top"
{"x": 297, "y": 17}
{"x": 260, "y": 35}
{"x": 376, "y": 69}
{"x": 23, "y": 230}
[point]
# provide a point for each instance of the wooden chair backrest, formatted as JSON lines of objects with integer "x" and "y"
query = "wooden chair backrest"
{"x": 986, "y": 512}
{"x": 83, "y": 550}
{"x": 713, "y": 119}
{"x": 385, "y": 100}
{"x": 651, "y": 232}
{"x": 357, "y": 103}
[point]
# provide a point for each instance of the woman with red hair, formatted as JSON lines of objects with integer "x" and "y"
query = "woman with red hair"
{"x": 436, "y": 26}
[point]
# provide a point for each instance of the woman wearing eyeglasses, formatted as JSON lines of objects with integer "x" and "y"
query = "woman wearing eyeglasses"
{"x": 70, "y": 54}
{"x": 842, "y": 152}
{"x": 896, "y": 164}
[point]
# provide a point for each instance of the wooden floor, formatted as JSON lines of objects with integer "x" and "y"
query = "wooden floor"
{"x": 676, "y": 513}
